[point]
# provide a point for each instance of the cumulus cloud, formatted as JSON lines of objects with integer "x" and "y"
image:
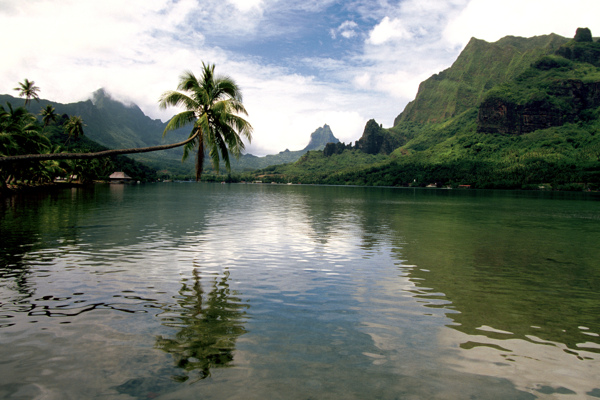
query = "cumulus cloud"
{"x": 493, "y": 20}
{"x": 347, "y": 30}
{"x": 389, "y": 29}
{"x": 137, "y": 50}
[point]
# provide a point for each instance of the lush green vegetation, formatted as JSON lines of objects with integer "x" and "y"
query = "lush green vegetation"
{"x": 440, "y": 137}
{"x": 21, "y": 132}
{"x": 519, "y": 113}
{"x": 213, "y": 105}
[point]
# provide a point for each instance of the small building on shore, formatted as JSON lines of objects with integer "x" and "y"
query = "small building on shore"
{"x": 119, "y": 177}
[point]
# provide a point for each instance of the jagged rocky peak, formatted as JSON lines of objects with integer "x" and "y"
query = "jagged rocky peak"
{"x": 100, "y": 96}
{"x": 102, "y": 99}
{"x": 583, "y": 35}
{"x": 320, "y": 137}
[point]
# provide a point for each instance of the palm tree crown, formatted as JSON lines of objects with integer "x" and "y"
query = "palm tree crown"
{"x": 74, "y": 127}
{"x": 48, "y": 114}
{"x": 213, "y": 105}
{"x": 28, "y": 90}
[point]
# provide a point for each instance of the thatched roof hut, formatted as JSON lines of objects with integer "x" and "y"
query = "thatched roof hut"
{"x": 119, "y": 177}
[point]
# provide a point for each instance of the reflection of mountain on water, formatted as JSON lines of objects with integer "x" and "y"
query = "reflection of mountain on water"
{"x": 207, "y": 323}
{"x": 523, "y": 285}
{"x": 525, "y": 274}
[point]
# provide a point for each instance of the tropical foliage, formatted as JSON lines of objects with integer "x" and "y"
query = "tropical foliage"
{"x": 443, "y": 138}
{"x": 22, "y": 134}
{"x": 213, "y": 105}
{"x": 28, "y": 90}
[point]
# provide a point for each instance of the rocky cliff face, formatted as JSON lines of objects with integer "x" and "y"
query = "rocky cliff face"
{"x": 319, "y": 138}
{"x": 567, "y": 103}
{"x": 479, "y": 67}
{"x": 376, "y": 140}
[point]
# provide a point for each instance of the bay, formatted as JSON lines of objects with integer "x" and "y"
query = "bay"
{"x": 181, "y": 290}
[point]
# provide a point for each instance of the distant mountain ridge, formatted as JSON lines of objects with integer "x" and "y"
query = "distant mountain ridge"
{"x": 318, "y": 139}
{"x": 116, "y": 125}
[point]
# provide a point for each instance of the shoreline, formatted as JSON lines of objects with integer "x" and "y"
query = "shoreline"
{"x": 12, "y": 190}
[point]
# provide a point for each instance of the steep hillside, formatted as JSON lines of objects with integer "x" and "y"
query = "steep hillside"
{"x": 518, "y": 113}
{"x": 479, "y": 67}
{"x": 115, "y": 125}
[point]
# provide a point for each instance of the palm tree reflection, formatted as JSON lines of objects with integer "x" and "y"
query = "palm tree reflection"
{"x": 209, "y": 324}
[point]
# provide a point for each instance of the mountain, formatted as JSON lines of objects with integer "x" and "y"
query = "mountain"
{"x": 319, "y": 138}
{"x": 478, "y": 68}
{"x": 116, "y": 125}
{"x": 517, "y": 113}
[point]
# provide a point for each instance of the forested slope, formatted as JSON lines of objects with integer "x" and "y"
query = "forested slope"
{"x": 518, "y": 113}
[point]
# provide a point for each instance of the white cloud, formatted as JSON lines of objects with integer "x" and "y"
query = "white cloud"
{"x": 246, "y": 5}
{"x": 389, "y": 29}
{"x": 285, "y": 109}
{"x": 137, "y": 50}
{"x": 347, "y": 30}
{"x": 490, "y": 20}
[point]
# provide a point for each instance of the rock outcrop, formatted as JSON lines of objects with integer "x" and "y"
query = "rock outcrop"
{"x": 376, "y": 140}
{"x": 319, "y": 138}
{"x": 566, "y": 102}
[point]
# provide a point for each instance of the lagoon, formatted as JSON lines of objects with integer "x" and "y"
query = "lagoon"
{"x": 249, "y": 291}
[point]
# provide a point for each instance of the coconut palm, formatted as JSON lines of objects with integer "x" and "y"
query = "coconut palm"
{"x": 74, "y": 127}
{"x": 28, "y": 90}
{"x": 48, "y": 115}
{"x": 20, "y": 134}
{"x": 213, "y": 105}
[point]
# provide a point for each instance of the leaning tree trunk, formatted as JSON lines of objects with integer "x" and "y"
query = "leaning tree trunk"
{"x": 100, "y": 154}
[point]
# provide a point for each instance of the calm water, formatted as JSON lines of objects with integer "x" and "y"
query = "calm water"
{"x": 181, "y": 291}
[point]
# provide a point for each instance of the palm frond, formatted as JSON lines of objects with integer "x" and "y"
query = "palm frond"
{"x": 177, "y": 99}
{"x": 214, "y": 105}
{"x": 179, "y": 121}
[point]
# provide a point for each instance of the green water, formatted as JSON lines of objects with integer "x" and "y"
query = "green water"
{"x": 176, "y": 291}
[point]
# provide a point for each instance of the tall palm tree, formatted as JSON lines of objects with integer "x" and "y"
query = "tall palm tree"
{"x": 28, "y": 90}
{"x": 74, "y": 127}
{"x": 48, "y": 115}
{"x": 213, "y": 105}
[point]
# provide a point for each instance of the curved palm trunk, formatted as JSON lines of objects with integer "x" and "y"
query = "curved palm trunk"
{"x": 200, "y": 159}
{"x": 105, "y": 153}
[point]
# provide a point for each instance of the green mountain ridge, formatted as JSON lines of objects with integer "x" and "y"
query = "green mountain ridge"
{"x": 517, "y": 113}
{"x": 478, "y": 68}
{"x": 115, "y": 125}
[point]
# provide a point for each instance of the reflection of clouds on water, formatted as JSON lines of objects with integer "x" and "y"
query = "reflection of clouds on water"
{"x": 536, "y": 366}
{"x": 403, "y": 293}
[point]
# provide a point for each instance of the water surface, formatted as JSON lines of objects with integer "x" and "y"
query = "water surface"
{"x": 299, "y": 292}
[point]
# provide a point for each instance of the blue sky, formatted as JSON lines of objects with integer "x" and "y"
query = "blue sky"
{"x": 300, "y": 64}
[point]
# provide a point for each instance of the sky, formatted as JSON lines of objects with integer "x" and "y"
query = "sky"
{"x": 299, "y": 63}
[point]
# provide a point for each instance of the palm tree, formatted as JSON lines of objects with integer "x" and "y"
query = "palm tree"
{"x": 48, "y": 115}
{"x": 213, "y": 106}
{"x": 28, "y": 90}
{"x": 74, "y": 127}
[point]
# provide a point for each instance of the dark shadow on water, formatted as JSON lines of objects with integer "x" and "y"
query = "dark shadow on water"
{"x": 207, "y": 325}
